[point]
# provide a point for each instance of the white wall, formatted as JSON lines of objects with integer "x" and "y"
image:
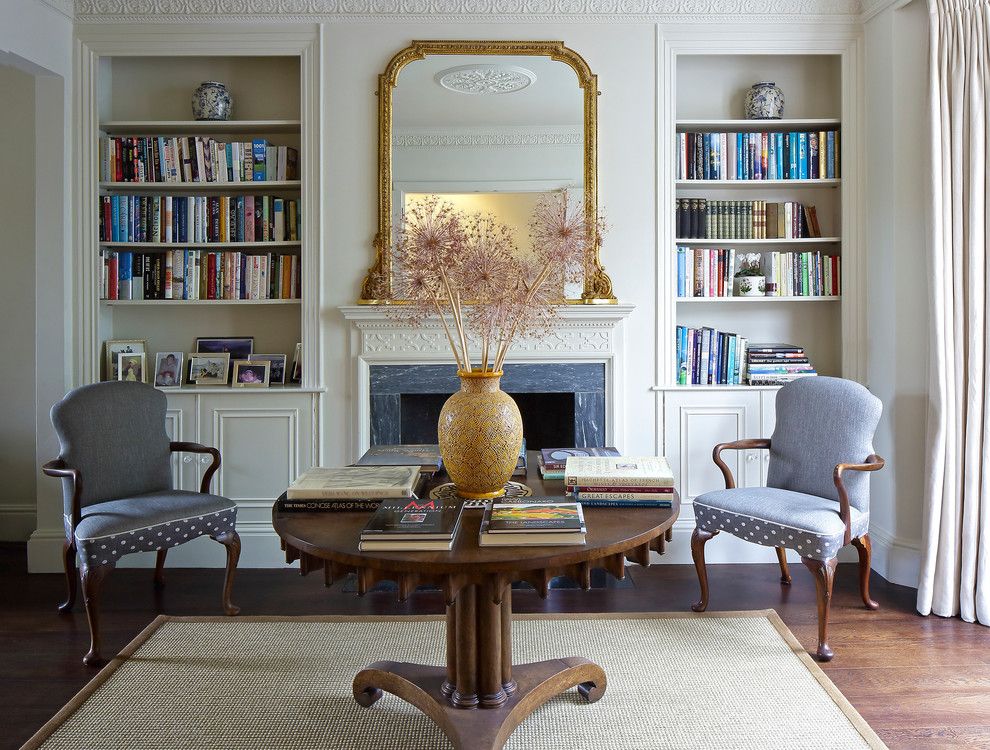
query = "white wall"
{"x": 37, "y": 39}
{"x": 897, "y": 132}
{"x": 17, "y": 246}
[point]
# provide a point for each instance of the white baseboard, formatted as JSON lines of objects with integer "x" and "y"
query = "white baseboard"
{"x": 17, "y": 521}
{"x": 898, "y": 560}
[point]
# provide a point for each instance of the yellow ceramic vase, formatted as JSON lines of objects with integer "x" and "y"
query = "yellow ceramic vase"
{"x": 480, "y": 435}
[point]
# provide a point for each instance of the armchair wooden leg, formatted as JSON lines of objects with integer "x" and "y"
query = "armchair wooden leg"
{"x": 824, "y": 573}
{"x": 71, "y": 576}
{"x": 160, "y": 569}
{"x": 865, "y": 549}
{"x": 232, "y": 542}
{"x": 698, "y": 540}
{"x": 92, "y": 580}
{"x": 785, "y": 573}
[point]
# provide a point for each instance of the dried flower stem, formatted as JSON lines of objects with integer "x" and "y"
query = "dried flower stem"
{"x": 446, "y": 330}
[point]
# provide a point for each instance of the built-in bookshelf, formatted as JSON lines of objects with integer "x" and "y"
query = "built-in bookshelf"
{"x": 710, "y": 91}
{"x": 230, "y": 272}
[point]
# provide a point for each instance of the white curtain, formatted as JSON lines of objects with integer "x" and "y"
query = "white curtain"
{"x": 955, "y": 570}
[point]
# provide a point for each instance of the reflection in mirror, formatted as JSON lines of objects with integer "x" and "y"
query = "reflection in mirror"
{"x": 488, "y": 133}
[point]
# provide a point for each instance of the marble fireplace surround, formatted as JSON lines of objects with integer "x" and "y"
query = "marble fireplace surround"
{"x": 584, "y": 333}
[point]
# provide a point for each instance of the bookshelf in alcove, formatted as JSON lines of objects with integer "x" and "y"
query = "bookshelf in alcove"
{"x": 710, "y": 91}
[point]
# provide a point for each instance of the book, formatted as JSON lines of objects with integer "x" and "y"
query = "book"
{"x": 355, "y": 482}
{"x": 426, "y": 456}
{"x": 540, "y": 521}
{"x": 637, "y": 491}
{"x": 556, "y": 458}
{"x": 646, "y": 471}
{"x": 633, "y": 497}
{"x": 588, "y": 503}
{"x": 339, "y": 505}
{"x": 409, "y": 519}
{"x": 753, "y": 155}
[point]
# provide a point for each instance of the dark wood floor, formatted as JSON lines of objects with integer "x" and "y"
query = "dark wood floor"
{"x": 920, "y": 682}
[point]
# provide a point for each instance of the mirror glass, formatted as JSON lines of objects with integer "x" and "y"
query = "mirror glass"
{"x": 491, "y": 133}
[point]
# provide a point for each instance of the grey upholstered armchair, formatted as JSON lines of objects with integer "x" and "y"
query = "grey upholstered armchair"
{"x": 811, "y": 503}
{"x": 117, "y": 489}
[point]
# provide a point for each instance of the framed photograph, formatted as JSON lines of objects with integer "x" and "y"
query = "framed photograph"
{"x": 277, "y": 376}
{"x": 209, "y": 369}
{"x": 249, "y": 374}
{"x": 297, "y": 365}
{"x": 168, "y": 369}
{"x": 131, "y": 367}
{"x": 238, "y": 347}
{"x": 118, "y": 346}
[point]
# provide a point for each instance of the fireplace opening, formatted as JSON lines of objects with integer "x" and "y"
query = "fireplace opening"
{"x": 548, "y": 418}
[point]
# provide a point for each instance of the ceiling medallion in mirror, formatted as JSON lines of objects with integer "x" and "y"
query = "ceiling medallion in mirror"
{"x": 490, "y": 127}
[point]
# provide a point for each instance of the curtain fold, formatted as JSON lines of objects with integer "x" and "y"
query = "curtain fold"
{"x": 955, "y": 568}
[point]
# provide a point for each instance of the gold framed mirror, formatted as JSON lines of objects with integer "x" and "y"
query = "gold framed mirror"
{"x": 466, "y": 68}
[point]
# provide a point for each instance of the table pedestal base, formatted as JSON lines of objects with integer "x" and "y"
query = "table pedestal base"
{"x": 478, "y": 727}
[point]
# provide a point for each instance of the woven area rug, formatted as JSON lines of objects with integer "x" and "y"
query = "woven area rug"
{"x": 736, "y": 680}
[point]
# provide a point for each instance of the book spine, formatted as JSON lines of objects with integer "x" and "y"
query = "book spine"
{"x": 367, "y": 493}
{"x": 637, "y": 496}
{"x": 619, "y": 503}
{"x": 336, "y": 506}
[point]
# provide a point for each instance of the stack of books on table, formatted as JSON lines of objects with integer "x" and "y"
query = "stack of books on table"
{"x": 537, "y": 521}
{"x": 553, "y": 460}
{"x": 620, "y": 482}
{"x": 776, "y": 364}
{"x": 350, "y": 488}
{"x": 411, "y": 525}
{"x": 426, "y": 456}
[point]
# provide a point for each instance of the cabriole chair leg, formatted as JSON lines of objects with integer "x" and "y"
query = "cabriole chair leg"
{"x": 71, "y": 576}
{"x": 785, "y": 573}
{"x": 698, "y": 541}
{"x": 865, "y": 549}
{"x": 232, "y": 542}
{"x": 160, "y": 569}
{"x": 824, "y": 573}
{"x": 92, "y": 580}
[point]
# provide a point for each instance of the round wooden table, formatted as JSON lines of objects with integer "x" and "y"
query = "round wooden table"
{"x": 480, "y": 696}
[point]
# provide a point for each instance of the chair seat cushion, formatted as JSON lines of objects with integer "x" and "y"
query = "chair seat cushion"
{"x": 809, "y": 524}
{"x": 153, "y": 521}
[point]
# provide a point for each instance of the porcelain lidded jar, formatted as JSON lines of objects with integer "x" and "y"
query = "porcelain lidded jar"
{"x": 764, "y": 101}
{"x": 211, "y": 101}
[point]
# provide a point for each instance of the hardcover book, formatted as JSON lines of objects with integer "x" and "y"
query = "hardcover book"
{"x": 339, "y": 505}
{"x": 647, "y": 471}
{"x": 355, "y": 482}
{"x": 426, "y": 456}
{"x": 543, "y": 517}
{"x": 413, "y": 520}
{"x": 556, "y": 458}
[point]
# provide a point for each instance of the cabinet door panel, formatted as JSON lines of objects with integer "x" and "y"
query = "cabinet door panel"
{"x": 180, "y": 424}
{"x": 769, "y": 420}
{"x": 695, "y": 423}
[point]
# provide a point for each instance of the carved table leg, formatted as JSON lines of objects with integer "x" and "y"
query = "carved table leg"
{"x": 479, "y": 698}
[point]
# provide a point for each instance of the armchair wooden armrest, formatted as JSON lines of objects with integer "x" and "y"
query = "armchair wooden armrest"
{"x": 177, "y": 446}
{"x": 58, "y": 469}
{"x": 740, "y": 445}
{"x": 873, "y": 463}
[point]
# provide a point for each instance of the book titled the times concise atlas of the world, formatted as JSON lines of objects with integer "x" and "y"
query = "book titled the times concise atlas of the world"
{"x": 355, "y": 483}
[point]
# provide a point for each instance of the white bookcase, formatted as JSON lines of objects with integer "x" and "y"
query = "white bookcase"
{"x": 704, "y": 92}
{"x": 141, "y": 84}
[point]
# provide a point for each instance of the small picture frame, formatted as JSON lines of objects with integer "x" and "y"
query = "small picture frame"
{"x": 209, "y": 369}
{"x": 117, "y": 346}
{"x": 238, "y": 347}
{"x": 296, "y": 376}
{"x": 249, "y": 374}
{"x": 277, "y": 376}
{"x": 168, "y": 369}
{"x": 131, "y": 367}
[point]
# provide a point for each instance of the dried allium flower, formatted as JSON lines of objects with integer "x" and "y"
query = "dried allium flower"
{"x": 487, "y": 259}
{"x": 561, "y": 234}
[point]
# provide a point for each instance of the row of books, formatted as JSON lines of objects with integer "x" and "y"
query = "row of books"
{"x": 620, "y": 481}
{"x": 805, "y": 274}
{"x": 776, "y": 364}
{"x": 712, "y": 272}
{"x": 194, "y": 159}
{"x": 187, "y": 218}
{"x": 706, "y": 356}
{"x": 707, "y": 219}
{"x": 796, "y": 155}
{"x": 199, "y": 275}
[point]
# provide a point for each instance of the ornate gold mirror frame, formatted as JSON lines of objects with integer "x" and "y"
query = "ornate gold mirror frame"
{"x": 377, "y": 287}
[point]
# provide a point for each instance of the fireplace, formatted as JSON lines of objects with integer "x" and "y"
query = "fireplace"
{"x": 562, "y": 404}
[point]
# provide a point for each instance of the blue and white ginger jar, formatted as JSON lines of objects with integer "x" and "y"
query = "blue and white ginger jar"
{"x": 764, "y": 101}
{"x": 211, "y": 101}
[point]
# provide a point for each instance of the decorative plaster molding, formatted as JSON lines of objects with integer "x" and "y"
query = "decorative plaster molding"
{"x": 440, "y": 11}
{"x": 502, "y": 138}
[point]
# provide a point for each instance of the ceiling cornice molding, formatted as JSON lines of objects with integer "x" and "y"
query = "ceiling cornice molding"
{"x": 460, "y": 11}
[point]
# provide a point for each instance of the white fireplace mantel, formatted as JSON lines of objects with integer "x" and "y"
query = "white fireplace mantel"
{"x": 583, "y": 333}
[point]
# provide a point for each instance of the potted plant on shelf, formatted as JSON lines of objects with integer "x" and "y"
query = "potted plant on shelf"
{"x": 467, "y": 272}
{"x": 750, "y": 281}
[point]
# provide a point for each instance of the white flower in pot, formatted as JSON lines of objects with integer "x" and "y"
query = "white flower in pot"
{"x": 750, "y": 281}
